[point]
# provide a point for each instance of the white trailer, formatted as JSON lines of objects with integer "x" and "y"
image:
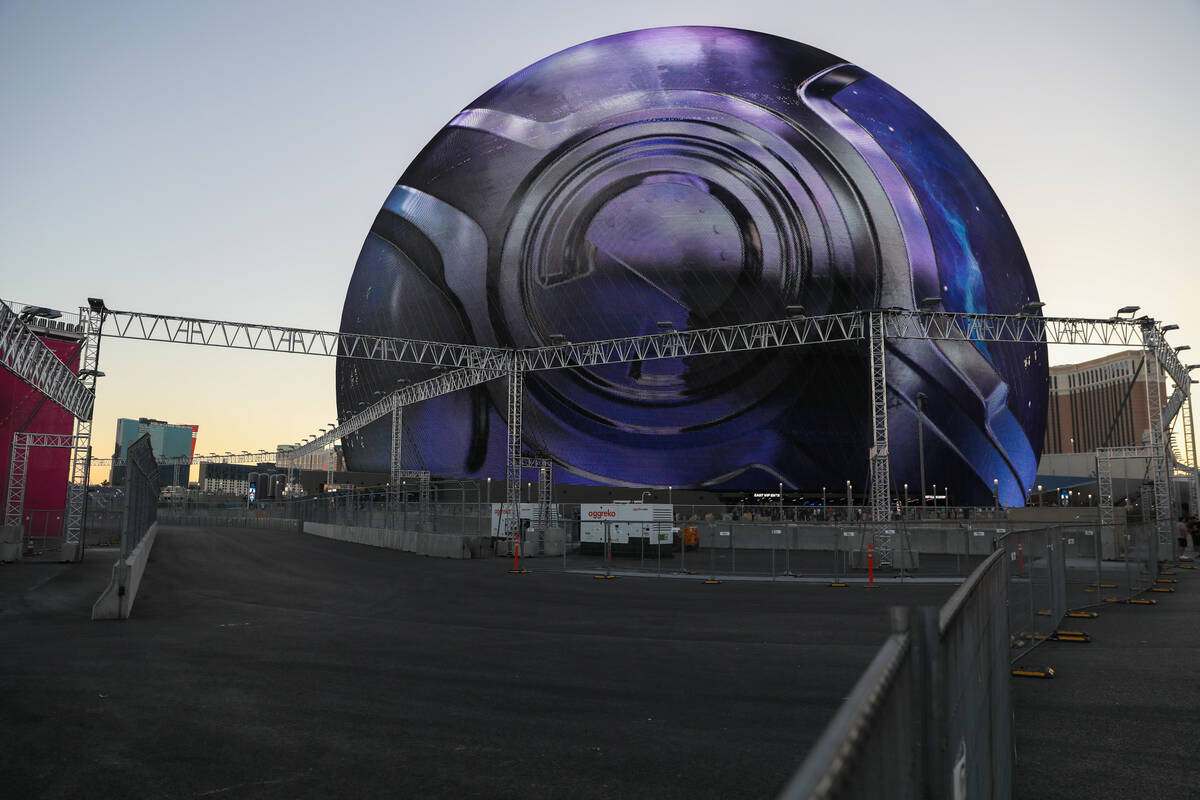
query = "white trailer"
{"x": 626, "y": 525}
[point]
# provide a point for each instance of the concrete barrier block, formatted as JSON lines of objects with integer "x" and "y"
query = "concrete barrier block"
{"x": 116, "y": 601}
{"x": 10, "y": 542}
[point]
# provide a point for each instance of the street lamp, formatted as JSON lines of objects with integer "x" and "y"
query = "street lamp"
{"x": 1039, "y": 502}
{"x": 996, "y": 491}
{"x": 824, "y": 513}
{"x": 906, "y": 500}
{"x": 489, "y": 493}
{"x": 849, "y": 498}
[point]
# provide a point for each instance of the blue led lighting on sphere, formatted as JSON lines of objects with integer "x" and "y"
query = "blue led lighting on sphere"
{"x": 701, "y": 177}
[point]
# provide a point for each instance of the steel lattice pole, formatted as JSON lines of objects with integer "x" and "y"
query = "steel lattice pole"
{"x": 880, "y": 468}
{"x": 1158, "y": 454}
{"x": 516, "y": 387}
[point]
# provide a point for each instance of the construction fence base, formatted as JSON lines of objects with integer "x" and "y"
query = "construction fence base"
{"x": 116, "y": 601}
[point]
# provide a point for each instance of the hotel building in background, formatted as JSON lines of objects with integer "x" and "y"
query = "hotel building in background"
{"x": 1099, "y": 403}
{"x": 166, "y": 440}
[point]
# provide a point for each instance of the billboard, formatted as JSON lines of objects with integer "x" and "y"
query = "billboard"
{"x": 698, "y": 177}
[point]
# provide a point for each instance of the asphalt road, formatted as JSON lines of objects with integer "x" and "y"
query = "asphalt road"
{"x": 1119, "y": 720}
{"x": 270, "y": 664}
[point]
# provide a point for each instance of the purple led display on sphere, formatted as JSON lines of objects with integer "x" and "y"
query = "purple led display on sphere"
{"x": 699, "y": 177}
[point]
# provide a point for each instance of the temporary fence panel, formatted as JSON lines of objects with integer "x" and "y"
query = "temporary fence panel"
{"x": 932, "y": 715}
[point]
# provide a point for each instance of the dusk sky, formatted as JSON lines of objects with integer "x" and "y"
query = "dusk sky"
{"x": 225, "y": 160}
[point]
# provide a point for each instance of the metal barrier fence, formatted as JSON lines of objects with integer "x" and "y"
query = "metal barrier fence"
{"x": 43, "y": 531}
{"x": 931, "y": 715}
{"x": 758, "y": 548}
{"x": 141, "y": 495}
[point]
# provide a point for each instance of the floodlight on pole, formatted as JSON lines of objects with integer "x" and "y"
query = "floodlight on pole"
{"x": 29, "y": 312}
{"x": 1169, "y": 328}
{"x": 1128, "y": 310}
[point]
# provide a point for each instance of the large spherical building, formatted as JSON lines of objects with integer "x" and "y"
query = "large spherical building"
{"x": 699, "y": 177}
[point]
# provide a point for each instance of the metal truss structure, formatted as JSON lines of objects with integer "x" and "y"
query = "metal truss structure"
{"x": 544, "y": 517}
{"x": 436, "y": 386}
{"x": 1190, "y": 465}
{"x": 424, "y": 494}
{"x": 91, "y": 324}
{"x": 281, "y": 339}
{"x": 27, "y": 357}
{"x": 396, "y": 451}
{"x": 1104, "y": 458}
{"x": 880, "y": 464}
{"x": 1158, "y": 466}
{"x": 258, "y": 457}
{"x": 512, "y": 473}
{"x": 478, "y": 364}
{"x": 18, "y": 470}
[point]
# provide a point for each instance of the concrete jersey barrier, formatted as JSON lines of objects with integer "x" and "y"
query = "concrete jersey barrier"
{"x": 116, "y": 601}
{"x": 438, "y": 545}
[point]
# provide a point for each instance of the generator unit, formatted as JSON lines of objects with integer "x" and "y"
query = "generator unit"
{"x": 625, "y": 525}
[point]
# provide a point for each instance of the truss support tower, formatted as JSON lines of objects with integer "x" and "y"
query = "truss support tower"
{"x": 880, "y": 467}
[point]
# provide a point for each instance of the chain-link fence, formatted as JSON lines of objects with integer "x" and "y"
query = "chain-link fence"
{"x": 141, "y": 495}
